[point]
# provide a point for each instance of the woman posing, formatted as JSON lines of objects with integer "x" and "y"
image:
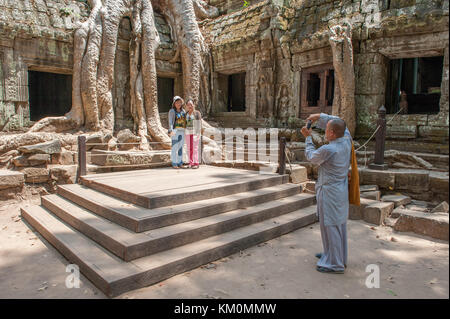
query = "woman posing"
{"x": 193, "y": 132}
{"x": 177, "y": 125}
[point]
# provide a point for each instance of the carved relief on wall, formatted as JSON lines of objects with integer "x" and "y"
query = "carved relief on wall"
{"x": 264, "y": 96}
{"x": 283, "y": 102}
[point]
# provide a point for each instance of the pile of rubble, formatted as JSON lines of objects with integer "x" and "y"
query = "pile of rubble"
{"x": 44, "y": 164}
{"x": 402, "y": 213}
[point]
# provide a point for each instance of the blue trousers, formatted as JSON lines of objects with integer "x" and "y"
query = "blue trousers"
{"x": 177, "y": 148}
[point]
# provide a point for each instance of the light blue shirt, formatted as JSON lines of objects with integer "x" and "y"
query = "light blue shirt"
{"x": 332, "y": 184}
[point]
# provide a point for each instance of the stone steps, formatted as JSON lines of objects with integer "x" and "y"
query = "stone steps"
{"x": 194, "y": 193}
{"x": 139, "y": 219}
{"x": 115, "y": 276}
{"x": 120, "y": 245}
{"x": 129, "y": 245}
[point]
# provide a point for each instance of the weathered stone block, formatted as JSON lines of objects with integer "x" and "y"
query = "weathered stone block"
{"x": 298, "y": 175}
{"x": 397, "y": 211}
{"x": 356, "y": 212}
{"x": 375, "y": 195}
{"x": 368, "y": 188}
{"x": 64, "y": 174}
{"x": 8, "y": 156}
{"x": 404, "y": 131}
{"x": 377, "y": 212}
{"x": 441, "y": 208}
{"x": 42, "y": 148}
{"x": 66, "y": 158}
{"x": 38, "y": 159}
{"x": 384, "y": 179}
{"x": 415, "y": 181}
{"x": 20, "y": 161}
{"x": 36, "y": 175}
{"x": 434, "y": 133}
{"x": 398, "y": 200}
{"x": 109, "y": 158}
{"x": 439, "y": 182}
{"x": 11, "y": 179}
{"x": 433, "y": 225}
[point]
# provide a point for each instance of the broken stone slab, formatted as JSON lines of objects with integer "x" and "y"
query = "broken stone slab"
{"x": 36, "y": 174}
{"x": 417, "y": 208}
{"x": 433, "y": 225}
{"x": 441, "y": 208}
{"x": 420, "y": 203}
{"x": 97, "y": 141}
{"x": 368, "y": 188}
{"x": 377, "y": 212}
{"x": 125, "y": 137}
{"x": 63, "y": 174}
{"x": 375, "y": 195}
{"x": 299, "y": 174}
{"x": 8, "y": 156}
{"x": 356, "y": 212}
{"x": 398, "y": 200}
{"x": 66, "y": 158}
{"x": 309, "y": 187}
{"x": 397, "y": 211}
{"x": 39, "y": 159}
{"x": 389, "y": 221}
{"x": 11, "y": 179}
{"x": 51, "y": 147}
{"x": 20, "y": 161}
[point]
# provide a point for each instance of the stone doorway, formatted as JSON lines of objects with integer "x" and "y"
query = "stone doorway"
{"x": 165, "y": 93}
{"x": 50, "y": 94}
{"x": 414, "y": 84}
{"x": 236, "y": 93}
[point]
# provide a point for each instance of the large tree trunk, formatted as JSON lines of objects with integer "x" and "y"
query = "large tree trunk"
{"x": 181, "y": 15}
{"x": 342, "y": 48}
{"x": 95, "y": 44}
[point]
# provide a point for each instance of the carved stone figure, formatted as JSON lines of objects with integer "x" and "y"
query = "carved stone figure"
{"x": 283, "y": 103}
{"x": 403, "y": 103}
{"x": 263, "y": 96}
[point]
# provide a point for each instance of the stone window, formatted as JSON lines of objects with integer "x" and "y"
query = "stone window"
{"x": 414, "y": 85}
{"x": 317, "y": 90}
{"x": 236, "y": 93}
{"x": 50, "y": 94}
{"x": 165, "y": 94}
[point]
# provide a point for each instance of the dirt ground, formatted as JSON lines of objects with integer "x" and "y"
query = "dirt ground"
{"x": 411, "y": 266}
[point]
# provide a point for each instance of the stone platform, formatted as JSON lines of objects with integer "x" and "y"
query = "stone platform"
{"x": 127, "y": 230}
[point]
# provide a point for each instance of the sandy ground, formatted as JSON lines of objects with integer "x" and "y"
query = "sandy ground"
{"x": 411, "y": 266}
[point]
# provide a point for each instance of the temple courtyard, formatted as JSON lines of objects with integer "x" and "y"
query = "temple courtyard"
{"x": 411, "y": 266}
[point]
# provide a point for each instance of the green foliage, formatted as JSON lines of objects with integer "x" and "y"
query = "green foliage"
{"x": 65, "y": 11}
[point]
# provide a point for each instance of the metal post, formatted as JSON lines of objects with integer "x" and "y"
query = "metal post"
{"x": 380, "y": 137}
{"x": 81, "y": 157}
{"x": 282, "y": 156}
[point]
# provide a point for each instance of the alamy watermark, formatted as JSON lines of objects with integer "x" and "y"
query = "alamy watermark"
{"x": 238, "y": 145}
{"x": 73, "y": 280}
{"x": 373, "y": 279}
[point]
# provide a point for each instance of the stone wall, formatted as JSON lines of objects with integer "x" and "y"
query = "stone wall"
{"x": 34, "y": 35}
{"x": 272, "y": 41}
{"x": 293, "y": 36}
{"x": 38, "y": 36}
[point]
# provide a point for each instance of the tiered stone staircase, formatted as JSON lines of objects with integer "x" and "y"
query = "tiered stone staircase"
{"x": 125, "y": 239}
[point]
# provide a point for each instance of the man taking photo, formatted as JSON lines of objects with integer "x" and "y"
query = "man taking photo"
{"x": 331, "y": 189}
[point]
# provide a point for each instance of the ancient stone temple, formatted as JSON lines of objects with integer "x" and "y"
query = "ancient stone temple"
{"x": 86, "y": 87}
{"x": 269, "y": 63}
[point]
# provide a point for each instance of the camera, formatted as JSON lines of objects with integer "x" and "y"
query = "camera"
{"x": 308, "y": 125}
